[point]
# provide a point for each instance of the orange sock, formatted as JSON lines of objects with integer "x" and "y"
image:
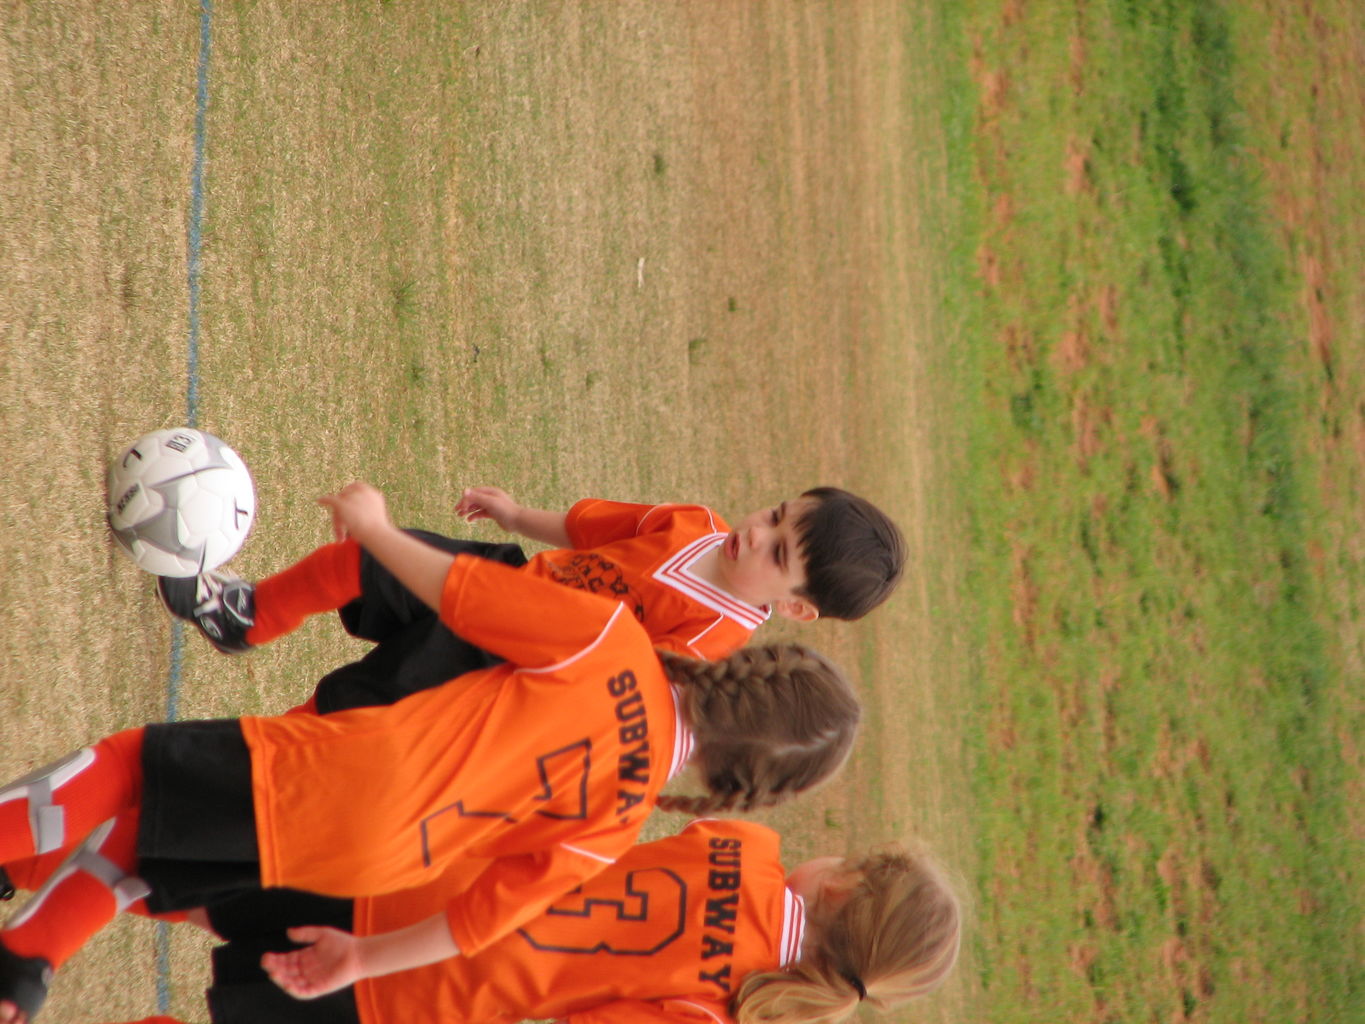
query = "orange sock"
{"x": 102, "y": 782}
{"x": 29, "y": 874}
{"x": 322, "y": 582}
{"x": 78, "y": 900}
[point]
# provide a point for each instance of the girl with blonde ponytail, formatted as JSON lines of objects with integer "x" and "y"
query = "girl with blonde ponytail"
{"x": 883, "y": 930}
{"x": 704, "y": 927}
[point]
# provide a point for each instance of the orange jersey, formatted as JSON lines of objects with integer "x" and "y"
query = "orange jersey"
{"x": 545, "y": 765}
{"x": 641, "y": 555}
{"x": 658, "y": 1011}
{"x": 682, "y": 919}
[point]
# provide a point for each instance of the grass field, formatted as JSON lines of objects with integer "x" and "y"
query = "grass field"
{"x": 1166, "y": 712}
{"x": 1073, "y": 290}
{"x": 1162, "y": 514}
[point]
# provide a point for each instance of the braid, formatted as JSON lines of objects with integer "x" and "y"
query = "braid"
{"x": 770, "y": 722}
{"x": 696, "y": 806}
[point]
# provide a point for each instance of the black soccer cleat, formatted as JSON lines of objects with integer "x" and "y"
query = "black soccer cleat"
{"x": 221, "y": 605}
{"x": 24, "y": 981}
{"x": 7, "y": 889}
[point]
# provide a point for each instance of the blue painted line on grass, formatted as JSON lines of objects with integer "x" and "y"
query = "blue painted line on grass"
{"x": 201, "y": 106}
{"x": 196, "y": 217}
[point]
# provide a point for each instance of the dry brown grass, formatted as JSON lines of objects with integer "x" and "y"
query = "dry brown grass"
{"x": 644, "y": 250}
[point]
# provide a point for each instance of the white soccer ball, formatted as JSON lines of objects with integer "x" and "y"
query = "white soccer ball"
{"x": 180, "y": 502}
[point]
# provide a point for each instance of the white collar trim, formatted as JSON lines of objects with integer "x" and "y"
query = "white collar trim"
{"x": 677, "y": 573}
{"x": 683, "y": 739}
{"x": 793, "y": 928}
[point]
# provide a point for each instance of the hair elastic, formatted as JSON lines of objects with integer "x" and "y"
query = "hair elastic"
{"x": 858, "y": 985}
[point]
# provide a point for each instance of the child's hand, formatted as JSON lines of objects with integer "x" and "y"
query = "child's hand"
{"x": 330, "y": 961}
{"x": 489, "y": 503}
{"x": 357, "y": 511}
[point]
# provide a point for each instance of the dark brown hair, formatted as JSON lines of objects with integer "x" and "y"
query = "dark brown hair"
{"x": 854, "y": 554}
{"x": 770, "y": 722}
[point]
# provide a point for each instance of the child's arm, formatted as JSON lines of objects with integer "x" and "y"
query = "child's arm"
{"x": 333, "y": 959}
{"x": 358, "y": 511}
{"x": 495, "y": 504}
{"x": 503, "y": 599}
{"x": 513, "y": 890}
{"x": 507, "y": 894}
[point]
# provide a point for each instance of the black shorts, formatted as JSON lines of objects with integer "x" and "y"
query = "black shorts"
{"x": 197, "y": 828}
{"x": 260, "y": 912}
{"x": 242, "y": 993}
{"x": 254, "y": 923}
{"x": 197, "y": 847}
{"x": 414, "y": 649}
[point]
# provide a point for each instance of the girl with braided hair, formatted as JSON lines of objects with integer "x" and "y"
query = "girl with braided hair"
{"x": 539, "y": 770}
{"x": 759, "y": 700}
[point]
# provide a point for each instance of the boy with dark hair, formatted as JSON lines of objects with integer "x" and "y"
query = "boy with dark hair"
{"x": 699, "y": 587}
{"x": 854, "y": 554}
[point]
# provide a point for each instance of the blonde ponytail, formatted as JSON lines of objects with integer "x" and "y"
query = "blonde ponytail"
{"x": 895, "y": 938}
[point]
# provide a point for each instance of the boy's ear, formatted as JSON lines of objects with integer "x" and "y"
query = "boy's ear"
{"x": 798, "y": 609}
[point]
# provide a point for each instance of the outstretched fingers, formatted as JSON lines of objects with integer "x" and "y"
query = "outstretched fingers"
{"x": 485, "y": 503}
{"x": 328, "y": 962}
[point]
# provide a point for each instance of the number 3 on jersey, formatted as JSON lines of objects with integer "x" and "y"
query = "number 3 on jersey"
{"x": 644, "y": 912}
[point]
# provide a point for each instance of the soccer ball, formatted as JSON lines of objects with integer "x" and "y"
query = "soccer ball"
{"x": 180, "y": 502}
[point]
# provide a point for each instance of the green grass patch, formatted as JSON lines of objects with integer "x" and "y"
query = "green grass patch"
{"x": 1158, "y": 774}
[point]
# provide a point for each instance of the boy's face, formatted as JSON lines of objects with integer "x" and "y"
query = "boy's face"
{"x": 761, "y": 562}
